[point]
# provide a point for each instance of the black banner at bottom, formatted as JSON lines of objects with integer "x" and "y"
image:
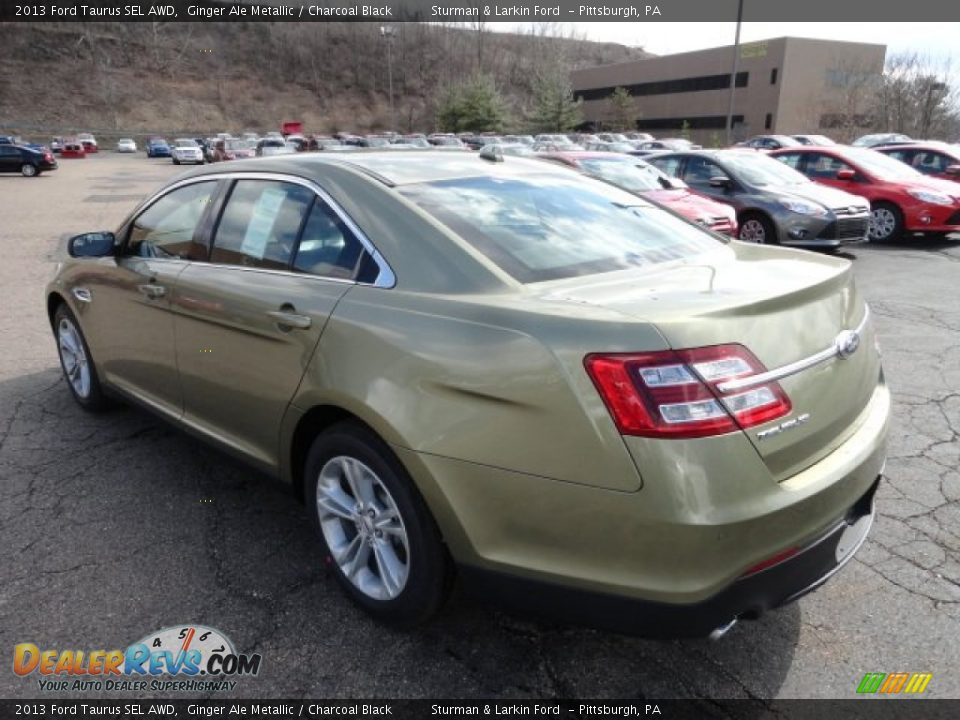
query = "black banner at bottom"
{"x": 872, "y": 708}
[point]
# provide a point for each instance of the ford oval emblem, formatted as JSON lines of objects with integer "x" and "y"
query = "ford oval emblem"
{"x": 847, "y": 343}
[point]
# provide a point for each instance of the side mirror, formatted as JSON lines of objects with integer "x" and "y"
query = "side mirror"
{"x": 846, "y": 174}
{"x": 95, "y": 244}
{"x": 953, "y": 170}
{"x": 721, "y": 181}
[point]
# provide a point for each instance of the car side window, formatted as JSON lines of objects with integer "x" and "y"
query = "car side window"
{"x": 699, "y": 170}
{"x": 902, "y": 155}
{"x": 825, "y": 166}
{"x": 791, "y": 159}
{"x": 930, "y": 162}
{"x": 670, "y": 165}
{"x": 8, "y": 150}
{"x": 260, "y": 224}
{"x": 327, "y": 247}
{"x": 166, "y": 229}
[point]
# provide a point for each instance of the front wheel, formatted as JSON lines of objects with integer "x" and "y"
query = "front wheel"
{"x": 377, "y": 534}
{"x": 758, "y": 229}
{"x": 28, "y": 170}
{"x": 886, "y": 223}
{"x": 78, "y": 368}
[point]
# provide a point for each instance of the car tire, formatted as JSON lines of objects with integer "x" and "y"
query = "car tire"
{"x": 886, "y": 223}
{"x": 29, "y": 170}
{"x": 757, "y": 228}
{"x": 176, "y": 162}
{"x": 383, "y": 547}
{"x": 77, "y": 364}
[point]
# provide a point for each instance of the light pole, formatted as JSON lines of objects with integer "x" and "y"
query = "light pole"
{"x": 387, "y": 32}
{"x": 733, "y": 74}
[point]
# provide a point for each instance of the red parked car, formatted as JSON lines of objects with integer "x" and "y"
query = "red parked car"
{"x": 635, "y": 175}
{"x": 73, "y": 149}
{"x": 940, "y": 160}
{"x": 901, "y": 199}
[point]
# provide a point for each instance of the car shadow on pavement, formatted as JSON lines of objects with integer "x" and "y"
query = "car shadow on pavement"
{"x": 115, "y": 525}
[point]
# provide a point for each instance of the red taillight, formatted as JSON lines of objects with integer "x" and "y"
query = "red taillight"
{"x": 771, "y": 561}
{"x": 676, "y": 394}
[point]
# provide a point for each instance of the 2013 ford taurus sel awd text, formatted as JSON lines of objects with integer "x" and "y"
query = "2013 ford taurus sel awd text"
{"x": 501, "y": 372}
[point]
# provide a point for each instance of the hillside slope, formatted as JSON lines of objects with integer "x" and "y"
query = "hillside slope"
{"x": 122, "y": 78}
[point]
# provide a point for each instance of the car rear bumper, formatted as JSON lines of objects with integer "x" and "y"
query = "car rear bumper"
{"x": 748, "y": 597}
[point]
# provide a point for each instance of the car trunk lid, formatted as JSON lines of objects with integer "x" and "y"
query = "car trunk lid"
{"x": 789, "y": 308}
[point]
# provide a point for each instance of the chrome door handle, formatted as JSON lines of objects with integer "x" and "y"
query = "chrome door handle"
{"x": 290, "y": 320}
{"x": 152, "y": 291}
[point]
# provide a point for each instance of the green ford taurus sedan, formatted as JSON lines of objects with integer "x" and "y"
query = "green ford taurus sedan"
{"x": 500, "y": 372}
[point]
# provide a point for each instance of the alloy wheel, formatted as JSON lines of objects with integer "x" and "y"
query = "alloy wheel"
{"x": 882, "y": 223}
{"x": 28, "y": 170}
{"x": 753, "y": 231}
{"x": 363, "y": 528}
{"x": 76, "y": 365}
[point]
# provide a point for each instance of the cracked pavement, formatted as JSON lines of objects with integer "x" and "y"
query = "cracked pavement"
{"x": 114, "y": 526}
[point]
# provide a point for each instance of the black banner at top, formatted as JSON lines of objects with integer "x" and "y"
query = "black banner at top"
{"x": 471, "y": 11}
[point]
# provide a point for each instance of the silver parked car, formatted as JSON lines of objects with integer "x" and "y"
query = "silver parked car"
{"x": 775, "y": 204}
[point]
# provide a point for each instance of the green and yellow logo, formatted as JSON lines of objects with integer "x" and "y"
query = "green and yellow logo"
{"x": 894, "y": 683}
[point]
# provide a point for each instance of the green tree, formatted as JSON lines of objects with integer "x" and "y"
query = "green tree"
{"x": 475, "y": 106}
{"x": 554, "y": 109}
{"x": 623, "y": 110}
{"x": 449, "y": 104}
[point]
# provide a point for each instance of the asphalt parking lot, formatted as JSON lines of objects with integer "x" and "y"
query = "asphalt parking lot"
{"x": 117, "y": 525}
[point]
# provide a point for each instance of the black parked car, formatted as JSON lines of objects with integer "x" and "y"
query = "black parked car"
{"x": 26, "y": 161}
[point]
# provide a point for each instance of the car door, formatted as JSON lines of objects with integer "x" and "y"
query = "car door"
{"x": 125, "y": 303}
{"x": 9, "y": 158}
{"x": 248, "y": 321}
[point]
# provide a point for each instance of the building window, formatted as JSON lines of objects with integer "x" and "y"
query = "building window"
{"x": 705, "y": 122}
{"x": 668, "y": 87}
{"x": 768, "y": 123}
{"x": 773, "y": 76}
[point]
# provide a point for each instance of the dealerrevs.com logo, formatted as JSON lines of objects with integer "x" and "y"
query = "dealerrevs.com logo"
{"x": 186, "y": 658}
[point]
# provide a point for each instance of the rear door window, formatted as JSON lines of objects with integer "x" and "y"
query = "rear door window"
{"x": 327, "y": 247}
{"x": 260, "y": 224}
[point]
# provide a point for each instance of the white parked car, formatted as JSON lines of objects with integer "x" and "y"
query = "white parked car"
{"x": 275, "y": 146}
{"x": 187, "y": 150}
{"x": 126, "y": 145}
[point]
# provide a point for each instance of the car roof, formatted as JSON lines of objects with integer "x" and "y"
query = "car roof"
{"x": 396, "y": 167}
{"x": 935, "y": 145}
{"x": 586, "y": 155}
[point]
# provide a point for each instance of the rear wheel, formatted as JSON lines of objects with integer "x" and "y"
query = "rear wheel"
{"x": 78, "y": 368}
{"x": 28, "y": 170}
{"x": 377, "y": 534}
{"x": 886, "y": 223}
{"x": 757, "y": 228}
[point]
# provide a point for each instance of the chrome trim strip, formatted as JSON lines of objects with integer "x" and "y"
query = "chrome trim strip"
{"x": 385, "y": 278}
{"x": 791, "y": 368}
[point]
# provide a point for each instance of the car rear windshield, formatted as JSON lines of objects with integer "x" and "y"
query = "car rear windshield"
{"x": 636, "y": 175}
{"x": 540, "y": 228}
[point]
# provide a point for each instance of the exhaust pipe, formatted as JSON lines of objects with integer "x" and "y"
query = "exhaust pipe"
{"x": 719, "y": 632}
